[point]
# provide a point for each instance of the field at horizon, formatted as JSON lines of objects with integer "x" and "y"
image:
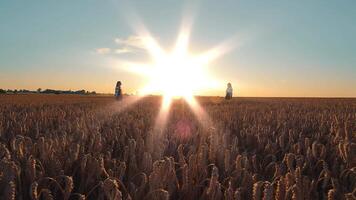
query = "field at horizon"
{"x": 95, "y": 147}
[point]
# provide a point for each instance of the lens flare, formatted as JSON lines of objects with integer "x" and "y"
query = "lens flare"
{"x": 176, "y": 73}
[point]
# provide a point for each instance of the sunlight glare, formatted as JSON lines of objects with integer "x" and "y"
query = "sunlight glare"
{"x": 176, "y": 74}
{"x": 161, "y": 119}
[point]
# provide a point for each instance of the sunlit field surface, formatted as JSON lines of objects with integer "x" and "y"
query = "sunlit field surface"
{"x": 93, "y": 147}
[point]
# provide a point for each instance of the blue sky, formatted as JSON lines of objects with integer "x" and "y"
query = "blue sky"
{"x": 289, "y": 48}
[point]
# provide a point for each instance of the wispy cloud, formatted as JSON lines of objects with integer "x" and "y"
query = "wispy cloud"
{"x": 123, "y": 50}
{"x": 131, "y": 42}
{"x": 103, "y": 50}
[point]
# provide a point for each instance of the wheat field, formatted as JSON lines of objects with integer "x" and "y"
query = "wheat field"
{"x": 93, "y": 147}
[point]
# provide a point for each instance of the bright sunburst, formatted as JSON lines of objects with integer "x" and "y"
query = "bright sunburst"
{"x": 176, "y": 73}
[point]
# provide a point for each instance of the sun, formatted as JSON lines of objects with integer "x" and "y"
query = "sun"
{"x": 176, "y": 73}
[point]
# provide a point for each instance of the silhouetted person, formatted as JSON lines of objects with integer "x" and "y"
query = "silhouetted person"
{"x": 228, "y": 91}
{"x": 118, "y": 91}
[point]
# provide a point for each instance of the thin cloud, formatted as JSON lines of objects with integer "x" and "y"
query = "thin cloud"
{"x": 103, "y": 50}
{"x": 131, "y": 44}
{"x": 133, "y": 41}
{"x": 123, "y": 50}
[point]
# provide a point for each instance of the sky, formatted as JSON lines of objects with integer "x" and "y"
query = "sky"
{"x": 284, "y": 48}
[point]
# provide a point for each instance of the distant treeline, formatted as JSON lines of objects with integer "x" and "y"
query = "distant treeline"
{"x": 46, "y": 91}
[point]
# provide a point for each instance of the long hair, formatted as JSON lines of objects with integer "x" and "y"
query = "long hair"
{"x": 118, "y": 84}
